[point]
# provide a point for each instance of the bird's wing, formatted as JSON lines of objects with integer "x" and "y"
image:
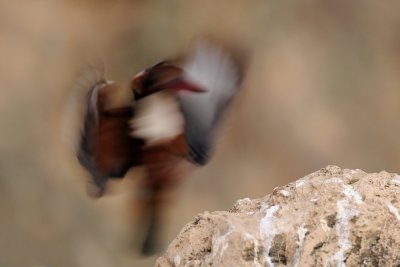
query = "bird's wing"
{"x": 105, "y": 148}
{"x": 214, "y": 69}
{"x": 90, "y": 76}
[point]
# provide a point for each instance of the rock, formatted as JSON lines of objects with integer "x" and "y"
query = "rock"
{"x": 332, "y": 217}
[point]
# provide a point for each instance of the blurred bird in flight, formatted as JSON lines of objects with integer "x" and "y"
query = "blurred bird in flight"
{"x": 168, "y": 119}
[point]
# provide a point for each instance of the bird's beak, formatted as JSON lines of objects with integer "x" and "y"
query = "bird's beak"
{"x": 160, "y": 77}
{"x": 181, "y": 84}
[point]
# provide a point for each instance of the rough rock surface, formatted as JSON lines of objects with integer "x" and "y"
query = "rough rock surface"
{"x": 332, "y": 217}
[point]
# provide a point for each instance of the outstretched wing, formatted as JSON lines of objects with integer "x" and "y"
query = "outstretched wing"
{"x": 214, "y": 69}
{"x": 105, "y": 147}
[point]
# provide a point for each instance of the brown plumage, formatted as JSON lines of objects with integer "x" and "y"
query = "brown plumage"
{"x": 170, "y": 119}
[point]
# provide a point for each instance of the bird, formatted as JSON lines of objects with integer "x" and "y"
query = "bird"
{"x": 168, "y": 119}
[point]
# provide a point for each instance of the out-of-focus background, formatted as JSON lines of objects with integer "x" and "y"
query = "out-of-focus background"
{"x": 323, "y": 87}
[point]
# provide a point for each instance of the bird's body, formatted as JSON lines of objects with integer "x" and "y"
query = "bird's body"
{"x": 169, "y": 120}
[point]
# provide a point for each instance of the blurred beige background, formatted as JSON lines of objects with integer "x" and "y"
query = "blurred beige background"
{"x": 322, "y": 88}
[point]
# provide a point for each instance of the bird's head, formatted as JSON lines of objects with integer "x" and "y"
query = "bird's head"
{"x": 161, "y": 76}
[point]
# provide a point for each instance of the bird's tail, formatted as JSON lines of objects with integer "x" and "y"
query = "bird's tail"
{"x": 149, "y": 239}
{"x": 157, "y": 191}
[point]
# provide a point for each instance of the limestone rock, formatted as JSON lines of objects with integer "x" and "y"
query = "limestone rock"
{"x": 332, "y": 217}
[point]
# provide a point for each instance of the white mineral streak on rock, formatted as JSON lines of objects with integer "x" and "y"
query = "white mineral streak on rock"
{"x": 345, "y": 212}
{"x": 396, "y": 180}
{"x": 300, "y": 183}
{"x": 352, "y": 194}
{"x": 334, "y": 180}
{"x": 348, "y": 190}
{"x": 324, "y": 225}
{"x": 219, "y": 242}
{"x": 284, "y": 193}
{"x": 394, "y": 210}
{"x": 177, "y": 260}
{"x": 243, "y": 201}
{"x": 268, "y": 232}
{"x": 301, "y": 233}
{"x": 247, "y": 236}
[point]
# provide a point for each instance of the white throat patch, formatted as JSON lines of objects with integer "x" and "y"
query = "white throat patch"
{"x": 157, "y": 118}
